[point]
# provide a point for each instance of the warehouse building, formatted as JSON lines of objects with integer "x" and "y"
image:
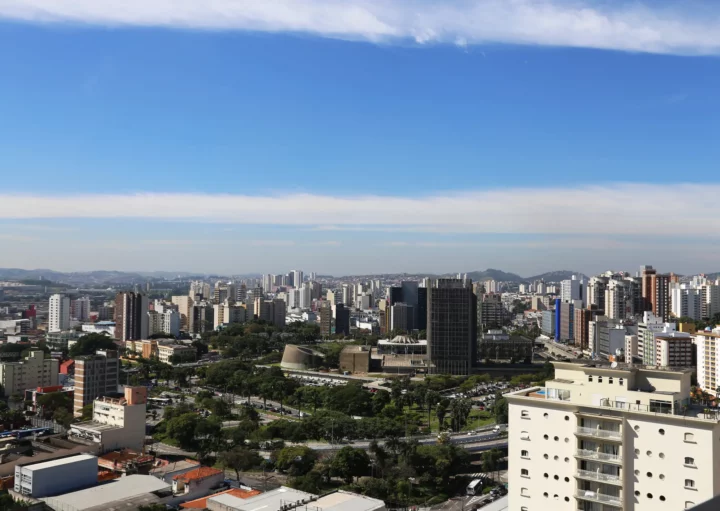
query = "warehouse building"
{"x": 44, "y": 478}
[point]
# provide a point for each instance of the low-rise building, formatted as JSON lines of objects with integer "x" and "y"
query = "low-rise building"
{"x": 498, "y": 345}
{"x": 287, "y": 499}
{"x": 176, "y": 353}
{"x": 117, "y": 423}
{"x": 54, "y": 477}
{"x": 36, "y": 370}
{"x": 197, "y": 480}
{"x": 355, "y": 359}
{"x": 130, "y": 492}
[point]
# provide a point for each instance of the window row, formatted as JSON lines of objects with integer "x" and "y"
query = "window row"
{"x": 650, "y": 495}
{"x": 610, "y": 380}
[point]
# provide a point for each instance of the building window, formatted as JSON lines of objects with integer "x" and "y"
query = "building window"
{"x": 557, "y": 438}
{"x": 636, "y": 428}
{"x": 599, "y": 379}
{"x": 589, "y": 377}
{"x": 545, "y": 475}
{"x": 545, "y": 495}
{"x": 545, "y": 437}
{"x": 637, "y": 493}
{"x": 689, "y": 483}
{"x": 610, "y": 380}
{"x": 620, "y": 382}
{"x": 545, "y": 415}
{"x": 662, "y": 497}
{"x": 525, "y": 414}
{"x": 524, "y": 454}
{"x": 524, "y": 492}
{"x": 524, "y": 435}
{"x": 689, "y": 462}
{"x": 689, "y": 437}
{"x": 567, "y": 418}
{"x": 662, "y": 477}
{"x": 661, "y": 431}
{"x": 545, "y": 456}
{"x": 556, "y": 477}
{"x": 524, "y": 472}
{"x": 689, "y": 504}
{"x": 649, "y": 495}
{"x": 523, "y": 508}
{"x": 649, "y": 474}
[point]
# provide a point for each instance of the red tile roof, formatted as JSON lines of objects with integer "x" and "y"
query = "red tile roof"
{"x": 235, "y": 492}
{"x": 198, "y": 473}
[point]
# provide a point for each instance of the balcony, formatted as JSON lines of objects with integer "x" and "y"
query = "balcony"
{"x": 599, "y": 433}
{"x": 598, "y": 456}
{"x": 598, "y": 476}
{"x": 592, "y": 496}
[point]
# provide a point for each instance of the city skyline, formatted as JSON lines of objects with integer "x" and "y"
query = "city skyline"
{"x": 252, "y": 137}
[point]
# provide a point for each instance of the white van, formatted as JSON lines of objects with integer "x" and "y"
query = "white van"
{"x": 500, "y": 428}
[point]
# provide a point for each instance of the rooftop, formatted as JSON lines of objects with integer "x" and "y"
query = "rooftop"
{"x": 122, "y": 489}
{"x": 59, "y": 462}
{"x": 268, "y": 501}
{"x": 272, "y": 500}
{"x": 233, "y": 492}
{"x": 198, "y": 473}
{"x": 94, "y": 426}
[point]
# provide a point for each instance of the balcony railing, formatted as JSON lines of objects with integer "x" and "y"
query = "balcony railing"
{"x": 598, "y": 456}
{"x": 593, "y": 496}
{"x": 599, "y": 433}
{"x": 598, "y": 476}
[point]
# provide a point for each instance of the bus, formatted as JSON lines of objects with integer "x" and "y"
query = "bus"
{"x": 474, "y": 487}
{"x": 159, "y": 401}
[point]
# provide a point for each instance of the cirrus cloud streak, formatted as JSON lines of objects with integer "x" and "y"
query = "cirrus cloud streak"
{"x": 688, "y": 28}
{"x": 616, "y": 209}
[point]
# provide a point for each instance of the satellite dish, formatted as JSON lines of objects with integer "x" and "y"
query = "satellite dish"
{"x": 614, "y": 365}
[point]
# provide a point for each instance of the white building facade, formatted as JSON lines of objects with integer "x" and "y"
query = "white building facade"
{"x": 59, "y": 313}
{"x": 598, "y": 438}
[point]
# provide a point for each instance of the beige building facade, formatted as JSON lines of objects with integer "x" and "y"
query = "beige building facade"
{"x": 598, "y": 438}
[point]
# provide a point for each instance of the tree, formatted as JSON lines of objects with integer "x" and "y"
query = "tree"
{"x": 351, "y": 399}
{"x": 350, "y": 462}
{"x": 87, "y": 412}
{"x": 441, "y": 411}
{"x": 90, "y": 343}
{"x": 182, "y": 429}
{"x": 240, "y": 459}
{"x": 500, "y": 409}
{"x": 296, "y": 460}
{"x": 490, "y": 460}
{"x": 54, "y": 401}
{"x": 431, "y": 399}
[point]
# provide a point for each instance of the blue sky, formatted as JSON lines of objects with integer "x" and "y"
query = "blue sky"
{"x": 342, "y": 121}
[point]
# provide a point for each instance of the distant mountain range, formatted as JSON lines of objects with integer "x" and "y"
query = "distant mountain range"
{"x": 89, "y": 277}
{"x": 499, "y": 275}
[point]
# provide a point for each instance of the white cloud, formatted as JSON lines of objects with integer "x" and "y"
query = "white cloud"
{"x": 612, "y": 210}
{"x": 685, "y": 28}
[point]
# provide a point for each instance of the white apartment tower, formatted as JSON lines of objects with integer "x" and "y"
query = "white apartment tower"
{"x": 59, "y": 313}
{"x": 297, "y": 278}
{"x": 686, "y": 301}
{"x": 598, "y": 438}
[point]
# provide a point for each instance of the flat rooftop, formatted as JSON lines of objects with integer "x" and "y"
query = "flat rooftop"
{"x": 59, "y": 462}
{"x": 94, "y": 426}
{"x": 272, "y": 500}
{"x": 122, "y": 489}
{"x": 269, "y": 501}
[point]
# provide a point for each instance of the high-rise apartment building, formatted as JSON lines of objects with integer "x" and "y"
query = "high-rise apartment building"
{"x": 131, "y": 319}
{"x": 327, "y": 323}
{"x": 59, "y": 313}
{"x": 618, "y": 299}
{"x": 167, "y": 322}
{"x": 184, "y": 304}
{"x": 298, "y": 278}
{"x": 491, "y": 312}
{"x": 709, "y": 300}
{"x": 571, "y": 289}
{"x": 272, "y": 311}
{"x": 597, "y": 287}
{"x": 686, "y": 301}
{"x": 452, "y": 326}
{"x": 401, "y": 317}
{"x": 599, "y": 438}
{"x": 656, "y": 292}
{"x": 95, "y": 376}
{"x": 567, "y": 321}
{"x": 342, "y": 319}
{"x": 674, "y": 349}
{"x": 80, "y": 308}
{"x": 708, "y": 360}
